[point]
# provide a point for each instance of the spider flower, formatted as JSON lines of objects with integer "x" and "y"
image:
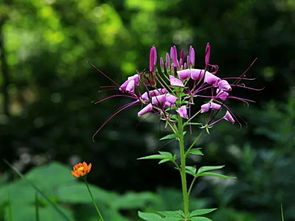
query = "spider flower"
{"x": 81, "y": 169}
{"x": 177, "y": 84}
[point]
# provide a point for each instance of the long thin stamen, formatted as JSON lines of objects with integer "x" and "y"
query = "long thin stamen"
{"x": 99, "y": 71}
{"x": 246, "y": 70}
{"x": 113, "y": 115}
{"x": 112, "y": 96}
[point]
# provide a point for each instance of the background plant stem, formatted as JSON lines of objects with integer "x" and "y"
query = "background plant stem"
{"x": 36, "y": 207}
{"x": 93, "y": 201}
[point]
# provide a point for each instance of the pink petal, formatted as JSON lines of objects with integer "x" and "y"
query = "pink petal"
{"x": 222, "y": 95}
{"x": 211, "y": 79}
{"x": 175, "y": 81}
{"x": 130, "y": 86}
{"x": 136, "y": 79}
{"x": 160, "y": 99}
{"x": 208, "y": 106}
{"x": 192, "y": 55}
{"x": 145, "y": 110}
{"x": 207, "y": 53}
{"x": 167, "y": 60}
{"x": 171, "y": 98}
{"x": 197, "y": 74}
{"x": 123, "y": 86}
{"x": 173, "y": 55}
{"x": 228, "y": 117}
{"x": 153, "y": 58}
{"x": 224, "y": 85}
{"x": 182, "y": 111}
{"x": 184, "y": 74}
{"x": 147, "y": 95}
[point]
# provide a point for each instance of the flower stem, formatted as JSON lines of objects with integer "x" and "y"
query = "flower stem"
{"x": 93, "y": 201}
{"x": 36, "y": 207}
{"x": 182, "y": 168}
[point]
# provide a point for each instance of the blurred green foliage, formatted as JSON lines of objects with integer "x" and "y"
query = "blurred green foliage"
{"x": 47, "y": 88}
{"x": 56, "y": 182}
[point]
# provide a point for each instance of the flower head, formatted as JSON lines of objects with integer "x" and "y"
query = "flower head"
{"x": 181, "y": 83}
{"x": 81, "y": 169}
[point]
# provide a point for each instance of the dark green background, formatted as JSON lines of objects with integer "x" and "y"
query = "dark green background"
{"x": 47, "y": 88}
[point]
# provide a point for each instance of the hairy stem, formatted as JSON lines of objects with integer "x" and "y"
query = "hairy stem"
{"x": 182, "y": 168}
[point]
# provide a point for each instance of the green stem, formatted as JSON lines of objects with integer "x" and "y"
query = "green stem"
{"x": 191, "y": 185}
{"x": 9, "y": 209}
{"x": 36, "y": 207}
{"x": 93, "y": 201}
{"x": 182, "y": 168}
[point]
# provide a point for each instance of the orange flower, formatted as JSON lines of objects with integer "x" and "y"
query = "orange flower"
{"x": 81, "y": 169}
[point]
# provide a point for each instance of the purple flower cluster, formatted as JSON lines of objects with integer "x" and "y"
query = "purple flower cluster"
{"x": 180, "y": 85}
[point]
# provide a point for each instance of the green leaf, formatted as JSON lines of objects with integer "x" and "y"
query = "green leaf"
{"x": 149, "y": 216}
{"x": 38, "y": 190}
{"x": 169, "y": 136}
{"x": 172, "y": 136}
{"x": 200, "y": 218}
{"x": 164, "y": 161}
{"x": 208, "y": 168}
{"x": 162, "y": 156}
{"x": 282, "y": 213}
{"x": 196, "y": 151}
{"x": 152, "y": 157}
{"x": 214, "y": 174}
{"x": 199, "y": 212}
{"x": 167, "y": 154}
{"x": 190, "y": 170}
{"x": 176, "y": 214}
